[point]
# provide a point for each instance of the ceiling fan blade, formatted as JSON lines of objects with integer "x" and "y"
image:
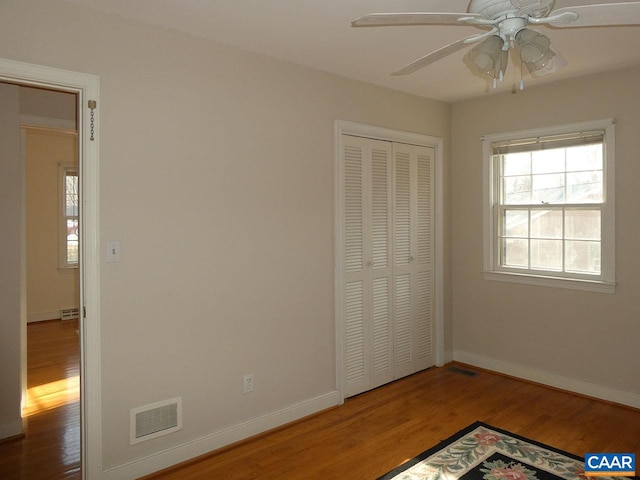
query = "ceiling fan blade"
{"x": 536, "y": 8}
{"x": 435, "y": 56}
{"x": 598, "y": 15}
{"x": 416, "y": 18}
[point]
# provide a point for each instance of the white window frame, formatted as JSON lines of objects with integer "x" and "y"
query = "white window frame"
{"x": 491, "y": 268}
{"x": 63, "y": 170}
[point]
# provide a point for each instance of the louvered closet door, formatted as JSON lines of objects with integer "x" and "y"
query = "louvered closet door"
{"x": 366, "y": 275}
{"x": 413, "y": 273}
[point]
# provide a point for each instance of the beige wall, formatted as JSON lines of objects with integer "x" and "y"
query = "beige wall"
{"x": 49, "y": 288}
{"x": 589, "y": 337}
{"x": 11, "y": 275}
{"x": 217, "y": 178}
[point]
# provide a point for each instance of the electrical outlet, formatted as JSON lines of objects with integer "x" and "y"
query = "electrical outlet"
{"x": 247, "y": 384}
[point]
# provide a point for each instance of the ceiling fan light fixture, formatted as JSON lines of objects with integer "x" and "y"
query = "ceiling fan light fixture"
{"x": 552, "y": 66}
{"x": 505, "y": 22}
{"x": 535, "y": 49}
{"x": 488, "y": 56}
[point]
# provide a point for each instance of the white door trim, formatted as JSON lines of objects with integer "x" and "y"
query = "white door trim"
{"x": 87, "y": 87}
{"x": 343, "y": 127}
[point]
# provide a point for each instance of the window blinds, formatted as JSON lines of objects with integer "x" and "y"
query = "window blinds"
{"x": 548, "y": 142}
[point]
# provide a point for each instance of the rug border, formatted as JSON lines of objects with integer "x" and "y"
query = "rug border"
{"x": 461, "y": 433}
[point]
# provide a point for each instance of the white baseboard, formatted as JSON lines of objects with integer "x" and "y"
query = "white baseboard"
{"x": 41, "y": 317}
{"x": 448, "y": 356}
{"x": 11, "y": 428}
{"x": 551, "y": 379}
{"x": 186, "y": 451}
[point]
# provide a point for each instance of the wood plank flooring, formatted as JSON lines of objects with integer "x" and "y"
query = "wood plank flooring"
{"x": 50, "y": 448}
{"x": 366, "y": 437}
{"x": 379, "y": 430}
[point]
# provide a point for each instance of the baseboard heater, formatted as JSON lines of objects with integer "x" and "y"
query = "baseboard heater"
{"x": 69, "y": 313}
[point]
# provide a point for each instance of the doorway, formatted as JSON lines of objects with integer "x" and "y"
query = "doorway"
{"x": 86, "y": 88}
{"x": 50, "y": 413}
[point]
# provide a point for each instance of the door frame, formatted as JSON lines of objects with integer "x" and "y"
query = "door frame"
{"x": 87, "y": 87}
{"x": 343, "y": 127}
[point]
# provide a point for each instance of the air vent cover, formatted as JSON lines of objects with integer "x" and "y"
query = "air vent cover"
{"x": 68, "y": 313}
{"x": 156, "y": 419}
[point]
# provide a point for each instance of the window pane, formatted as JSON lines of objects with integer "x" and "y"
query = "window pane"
{"x": 516, "y": 253}
{"x": 516, "y": 223}
{"x": 548, "y": 188}
{"x": 583, "y": 257}
{"x": 587, "y": 157}
{"x": 548, "y": 161}
{"x": 546, "y": 254}
{"x": 517, "y": 190}
{"x": 71, "y": 195}
{"x": 72, "y": 240}
{"x": 582, "y": 224}
{"x": 516, "y": 164}
{"x": 546, "y": 224}
{"x": 585, "y": 187}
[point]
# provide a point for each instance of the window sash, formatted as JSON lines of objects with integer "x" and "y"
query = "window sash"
{"x": 563, "y": 239}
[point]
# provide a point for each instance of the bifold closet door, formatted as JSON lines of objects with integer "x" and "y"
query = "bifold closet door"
{"x": 413, "y": 247}
{"x": 366, "y": 264}
{"x": 387, "y": 261}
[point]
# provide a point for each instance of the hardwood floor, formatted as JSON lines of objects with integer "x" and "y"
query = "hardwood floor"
{"x": 379, "y": 430}
{"x": 366, "y": 437}
{"x": 50, "y": 448}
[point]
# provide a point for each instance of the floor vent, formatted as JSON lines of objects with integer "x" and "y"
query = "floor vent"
{"x": 69, "y": 313}
{"x": 154, "y": 420}
{"x": 463, "y": 371}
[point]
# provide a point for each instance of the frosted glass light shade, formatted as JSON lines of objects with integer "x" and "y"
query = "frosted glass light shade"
{"x": 487, "y": 56}
{"x": 535, "y": 49}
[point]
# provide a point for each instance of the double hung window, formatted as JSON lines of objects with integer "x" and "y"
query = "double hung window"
{"x": 69, "y": 216}
{"x": 549, "y": 200}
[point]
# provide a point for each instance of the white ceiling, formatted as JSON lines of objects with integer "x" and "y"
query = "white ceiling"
{"x": 317, "y": 33}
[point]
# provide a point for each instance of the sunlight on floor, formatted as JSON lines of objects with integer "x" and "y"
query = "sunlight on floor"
{"x": 52, "y": 395}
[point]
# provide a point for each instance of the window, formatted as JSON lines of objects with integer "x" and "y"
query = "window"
{"x": 69, "y": 219}
{"x": 549, "y": 206}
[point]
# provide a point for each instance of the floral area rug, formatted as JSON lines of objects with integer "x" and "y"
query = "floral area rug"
{"x": 483, "y": 452}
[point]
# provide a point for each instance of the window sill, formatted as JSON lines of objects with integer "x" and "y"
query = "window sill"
{"x": 542, "y": 281}
{"x": 69, "y": 269}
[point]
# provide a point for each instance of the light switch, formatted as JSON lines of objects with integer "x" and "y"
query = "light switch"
{"x": 113, "y": 251}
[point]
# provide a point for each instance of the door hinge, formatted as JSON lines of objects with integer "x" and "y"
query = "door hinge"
{"x": 84, "y": 312}
{"x": 92, "y": 104}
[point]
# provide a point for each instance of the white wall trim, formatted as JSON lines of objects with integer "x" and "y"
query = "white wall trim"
{"x": 188, "y": 450}
{"x": 448, "y": 356}
{"x": 343, "y": 127}
{"x": 43, "y": 316}
{"x": 86, "y": 87}
{"x": 11, "y": 428}
{"x": 548, "y": 378}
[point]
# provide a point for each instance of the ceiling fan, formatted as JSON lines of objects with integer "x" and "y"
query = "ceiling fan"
{"x": 506, "y": 22}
